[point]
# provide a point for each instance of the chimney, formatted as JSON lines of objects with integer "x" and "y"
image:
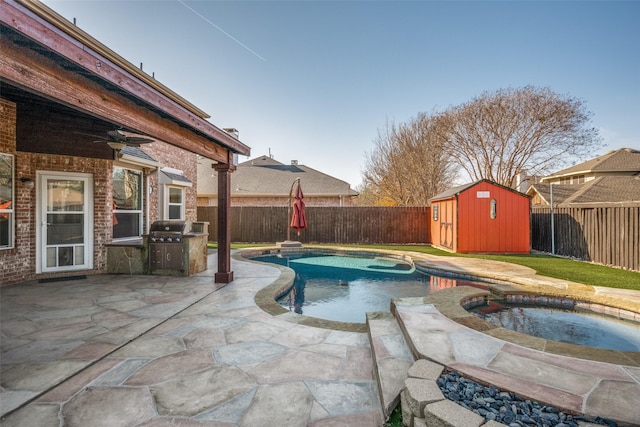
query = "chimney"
{"x": 294, "y": 162}
{"x": 233, "y": 132}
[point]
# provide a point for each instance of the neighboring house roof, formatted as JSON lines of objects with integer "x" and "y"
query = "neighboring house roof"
{"x": 265, "y": 176}
{"x": 454, "y": 191}
{"x": 604, "y": 190}
{"x": 623, "y": 160}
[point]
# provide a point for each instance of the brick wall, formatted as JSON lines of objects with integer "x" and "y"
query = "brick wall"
{"x": 19, "y": 264}
{"x": 170, "y": 156}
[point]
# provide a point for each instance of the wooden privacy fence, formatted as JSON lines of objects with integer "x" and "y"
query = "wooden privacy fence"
{"x": 606, "y": 235}
{"x": 262, "y": 224}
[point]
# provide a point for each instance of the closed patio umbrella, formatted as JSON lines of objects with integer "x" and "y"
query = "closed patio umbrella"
{"x": 298, "y": 219}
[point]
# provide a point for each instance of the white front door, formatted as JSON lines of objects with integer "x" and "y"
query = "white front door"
{"x": 65, "y": 215}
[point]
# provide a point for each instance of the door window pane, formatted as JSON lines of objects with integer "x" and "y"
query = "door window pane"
{"x": 65, "y": 229}
{"x": 65, "y": 195}
{"x": 79, "y": 255}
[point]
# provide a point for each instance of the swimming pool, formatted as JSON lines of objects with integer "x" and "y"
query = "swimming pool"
{"x": 344, "y": 286}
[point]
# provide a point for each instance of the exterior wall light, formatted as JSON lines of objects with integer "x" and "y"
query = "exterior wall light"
{"x": 28, "y": 183}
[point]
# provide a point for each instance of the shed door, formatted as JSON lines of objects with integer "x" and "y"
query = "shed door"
{"x": 65, "y": 215}
{"x": 446, "y": 224}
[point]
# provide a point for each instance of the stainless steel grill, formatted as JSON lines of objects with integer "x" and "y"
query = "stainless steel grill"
{"x": 166, "y": 244}
{"x": 168, "y": 231}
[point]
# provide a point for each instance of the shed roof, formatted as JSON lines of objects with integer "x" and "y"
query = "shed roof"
{"x": 454, "y": 191}
{"x": 621, "y": 160}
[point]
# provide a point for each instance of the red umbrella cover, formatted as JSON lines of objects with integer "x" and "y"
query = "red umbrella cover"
{"x": 298, "y": 219}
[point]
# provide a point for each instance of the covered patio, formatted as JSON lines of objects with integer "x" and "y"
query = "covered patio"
{"x": 74, "y": 113}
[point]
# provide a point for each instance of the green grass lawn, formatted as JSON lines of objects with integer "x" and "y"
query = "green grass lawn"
{"x": 544, "y": 265}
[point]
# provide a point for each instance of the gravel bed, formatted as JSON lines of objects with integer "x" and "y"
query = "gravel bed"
{"x": 506, "y": 407}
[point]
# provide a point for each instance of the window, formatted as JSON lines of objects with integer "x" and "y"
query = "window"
{"x": 494, "y": 209}
{"x": 176, "y": 203}
{"x": 435, "y": 212}
{"x": 173, "y": 186}
{"x": 6, "y": 201}
{"x": 127, "y": 203}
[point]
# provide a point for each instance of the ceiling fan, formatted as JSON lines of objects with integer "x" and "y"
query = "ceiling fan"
{"x": 118, "y": 139}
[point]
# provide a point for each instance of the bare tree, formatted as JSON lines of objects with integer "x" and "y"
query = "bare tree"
{"x": 530, "y": 130}
{"x": 408, "y": 165}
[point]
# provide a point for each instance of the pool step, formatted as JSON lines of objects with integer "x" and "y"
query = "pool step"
{"x": 391, "y": 357}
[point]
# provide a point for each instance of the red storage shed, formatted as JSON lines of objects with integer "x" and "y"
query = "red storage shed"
{"x": 481, "y": 217}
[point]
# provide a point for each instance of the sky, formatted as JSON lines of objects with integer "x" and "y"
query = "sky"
{"x": 314, "y": 81}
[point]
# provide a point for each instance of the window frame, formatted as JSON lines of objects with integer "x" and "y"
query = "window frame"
{"x": 493, "y": 209}
{"x": 169, "y": 204}
{"x": 435, "y": 212}
{"x": 141, "y": 201}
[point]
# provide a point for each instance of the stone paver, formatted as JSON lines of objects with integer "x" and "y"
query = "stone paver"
{"x": 582, "y": 386}
{"x": 159, "y": 351}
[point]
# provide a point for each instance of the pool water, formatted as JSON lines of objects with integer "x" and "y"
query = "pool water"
{"x": 345, "y": 287}
{"x": 575, "y": 327}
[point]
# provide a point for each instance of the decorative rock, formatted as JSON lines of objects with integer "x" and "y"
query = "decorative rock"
{"x": 505, "y": 407}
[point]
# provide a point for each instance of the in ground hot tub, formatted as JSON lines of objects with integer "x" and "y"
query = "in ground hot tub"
{"x": 562, "y": 319}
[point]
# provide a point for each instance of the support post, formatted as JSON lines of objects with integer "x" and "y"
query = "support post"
{"x": 553, "y": 234}
{"x": 224, "y": 274}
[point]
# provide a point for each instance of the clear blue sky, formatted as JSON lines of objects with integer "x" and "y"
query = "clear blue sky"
{"x": 315, "y": 80}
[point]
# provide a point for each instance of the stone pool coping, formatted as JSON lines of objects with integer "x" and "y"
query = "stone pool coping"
{"x": 502, "y": 277}
{"x": 427, "y": 338}
{"x": 266, "y": 297}
{"x": 451, "y": 302}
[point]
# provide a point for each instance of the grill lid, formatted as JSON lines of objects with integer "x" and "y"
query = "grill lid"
{"x": 171, "y": 226}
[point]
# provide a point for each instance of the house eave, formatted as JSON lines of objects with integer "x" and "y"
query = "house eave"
{"x": 72, "y": 30}
{"x": 589, "y": 172}
{"x": 51, "y": 31}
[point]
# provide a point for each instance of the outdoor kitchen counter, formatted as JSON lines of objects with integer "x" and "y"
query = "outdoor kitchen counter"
{"x": 132, "y": 257}
{"x": 195, "y": 251}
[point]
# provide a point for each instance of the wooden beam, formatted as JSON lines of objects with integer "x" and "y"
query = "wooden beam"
{"x": 35, "y": 73}
{"x": 102, "y": 65}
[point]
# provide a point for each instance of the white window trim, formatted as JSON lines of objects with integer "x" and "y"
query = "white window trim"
{"x": 166, "y": 182}
{"x": 168, "y": 204}
{"x": 143, "y": 201}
